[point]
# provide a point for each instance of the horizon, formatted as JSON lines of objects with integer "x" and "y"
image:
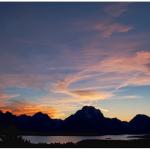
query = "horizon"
{"x": 67, "y": 116}
{"x": 57, "y": 57}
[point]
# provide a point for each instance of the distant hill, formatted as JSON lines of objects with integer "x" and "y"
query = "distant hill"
{"x": 87, "y": 121}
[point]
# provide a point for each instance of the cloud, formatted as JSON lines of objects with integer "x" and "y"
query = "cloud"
{"x": 107, "y": 28}
{"x": 8, "y": 103}
{"x": 116, "y": 9}
{"x": 129, "y": 97}
{"x": 139, "y": 80}
{"x": 63, "y": 86}
{"x": 4, "y": 96}
{"x": 148, "y": 65}
{"x": 19, "y": 107}
{"x": 126, "y": 97}
{"x": 134, "y": 68}
{"x": 127, "y": 64}
{"x": 115, "y": 72}
{"x": 25, "y": 80}
{"x": 90, "y": 95}
{"x": 80, "y": 94}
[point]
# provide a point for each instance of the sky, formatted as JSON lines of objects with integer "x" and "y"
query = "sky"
{"x": 58, "y": 57}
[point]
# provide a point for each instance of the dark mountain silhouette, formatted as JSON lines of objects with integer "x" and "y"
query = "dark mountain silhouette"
{"x": 39, "y": 116}
{"x": 140, "y": 124}
{"x": 87, "y": 121}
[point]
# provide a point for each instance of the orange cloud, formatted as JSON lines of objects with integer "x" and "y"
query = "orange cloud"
{"x": 90, "y": 95}
{"x": 80, "y": 94}
{"x": 22, "y": 107}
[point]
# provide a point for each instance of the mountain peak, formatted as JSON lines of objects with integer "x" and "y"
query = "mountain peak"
{"x": 140, "y": 118}
{"x": 8, "y": 113}
{"x": 89, "y": 112}
{"x": 40, "y": 115}
{"x": 88, "y": 108}
{"x": 142, "y": 115}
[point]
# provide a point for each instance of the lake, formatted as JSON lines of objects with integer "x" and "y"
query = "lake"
{"x": 75, "y": 139}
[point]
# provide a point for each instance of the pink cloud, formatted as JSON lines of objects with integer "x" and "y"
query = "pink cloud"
{"x": 127, "y": 64}
{"x": 113, "y": 71}
{"x": 4, "y": 96}
{"x": 107, "y": 29}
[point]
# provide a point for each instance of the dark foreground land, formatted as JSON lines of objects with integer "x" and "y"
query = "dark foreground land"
{"x": 18, "y": 142}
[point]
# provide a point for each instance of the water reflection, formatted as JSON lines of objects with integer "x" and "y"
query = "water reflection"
{"x": 75, "y": 139}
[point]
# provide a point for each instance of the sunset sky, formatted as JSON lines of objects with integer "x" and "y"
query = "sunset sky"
{"x": 58, "y": 57}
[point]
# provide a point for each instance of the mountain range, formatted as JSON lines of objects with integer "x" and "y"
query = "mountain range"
{"x": 87, "y": 121}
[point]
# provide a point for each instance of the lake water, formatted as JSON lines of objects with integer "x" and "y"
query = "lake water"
{"x": 75, "y": 139}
